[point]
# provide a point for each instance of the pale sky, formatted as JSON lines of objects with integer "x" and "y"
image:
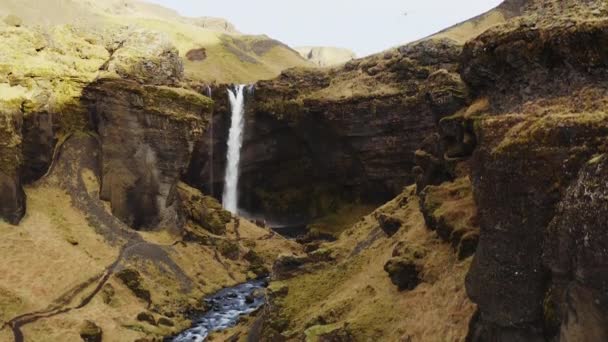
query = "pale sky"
{"x": 365, "y": 26}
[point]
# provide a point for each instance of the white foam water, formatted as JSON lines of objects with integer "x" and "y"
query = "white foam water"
{"x": 235, "y": 142}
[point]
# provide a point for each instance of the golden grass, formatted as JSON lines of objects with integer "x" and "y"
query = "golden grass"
{"x": 358, "y": 291}
{"x": 53, "y": 250}
{"x": 472, "y": 28}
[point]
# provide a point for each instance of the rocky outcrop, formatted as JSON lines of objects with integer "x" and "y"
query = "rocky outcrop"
{"x": 450, "y": 210}
{"x": 147, "y": 136}
{"x": 404, "y": 273}
{"x": 61, "y": 81}
{"x": 317, "y": 138}
{"x": 204, "y": 211}
{"x": 544, "y": 121}
{"x": 12, "y": 197}
{"x": 90, "y": 332}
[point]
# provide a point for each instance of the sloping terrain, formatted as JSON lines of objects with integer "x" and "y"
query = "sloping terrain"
{"x": 212, "y": 49}
{"x": 487, "y": 148}
{"x": 324, "y": 56}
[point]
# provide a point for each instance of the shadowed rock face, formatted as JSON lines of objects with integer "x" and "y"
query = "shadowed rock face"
{"x": 307, "y": 148}
{"x": 147, "y": 135}
{"x": 12, "y": 198}
{"x": 544, "y": 122}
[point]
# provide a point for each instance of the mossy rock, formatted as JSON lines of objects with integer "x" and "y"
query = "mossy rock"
{"x": 404, "y": 272}
{"x": 146, "y": 317}
{"x": 204, "y": 211}
{"x": 229, "y": 249}
{"x": 256, "y": 264}
{"x": 133, "y": 280}
{"x": 90, "y": 332}
{"x": 389, "y": 224}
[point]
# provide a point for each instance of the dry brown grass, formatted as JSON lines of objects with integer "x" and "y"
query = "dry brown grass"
{"x": 359, "y": 292}
{"x": 55, "y": 249}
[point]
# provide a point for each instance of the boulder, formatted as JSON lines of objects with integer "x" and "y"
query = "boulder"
{"x": 146, "y": 317}
{"x": 388, "y": 223}
{"x": 202, "y": 210}
{"x": 404, "y": 272}
{"x": 166, "y": 322}
{"x": 451, "y": 211}
{"x": 133, "y": 280}
{"x": 90, "y": 332}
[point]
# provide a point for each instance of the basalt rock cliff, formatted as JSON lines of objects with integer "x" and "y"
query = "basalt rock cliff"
{"x": 348, "y": 134}
{"x": 487, "y": 143}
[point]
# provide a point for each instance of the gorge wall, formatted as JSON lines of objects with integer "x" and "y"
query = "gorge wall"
{"x": 504, "y": 137}
{"x": 314, "y": 139}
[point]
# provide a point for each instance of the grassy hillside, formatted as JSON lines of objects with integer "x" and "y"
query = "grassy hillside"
{"x": 225, "y": 56}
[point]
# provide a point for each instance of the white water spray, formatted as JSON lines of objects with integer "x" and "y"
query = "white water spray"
{"x": 235, "y": 141}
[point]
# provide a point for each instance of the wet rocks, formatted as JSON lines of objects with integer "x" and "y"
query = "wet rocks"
{"x": 90, "y": 332}
{"x": 450, "y": 210}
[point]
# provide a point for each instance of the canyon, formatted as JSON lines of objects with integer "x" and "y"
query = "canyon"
{"x": 451, "y": 189}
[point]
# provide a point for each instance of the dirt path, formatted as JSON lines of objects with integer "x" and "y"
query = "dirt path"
{"x": 72, "y": 157}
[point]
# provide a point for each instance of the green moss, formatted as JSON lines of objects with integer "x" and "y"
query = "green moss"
{"x": 228, "y": 249}
{"x": 289, "y": 110}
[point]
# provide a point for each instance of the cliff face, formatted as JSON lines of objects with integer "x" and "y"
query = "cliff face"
{"x": 316, "y": 138}
{"x": 147, "y": 136}
{"x": 544, "y": 122}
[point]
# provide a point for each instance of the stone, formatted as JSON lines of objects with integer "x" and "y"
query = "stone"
{"x": 146, "y": 317}
{"x": 90, "y": 332}
{"x": 166, "y": 322}
{"x": 404, "y": 273}
{"x": 133, "y": 280}
{"x": 389, "y": 224}
{"x": 204, "y": 211}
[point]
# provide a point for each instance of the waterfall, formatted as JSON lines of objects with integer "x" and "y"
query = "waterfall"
{"x": 235, "y": 141}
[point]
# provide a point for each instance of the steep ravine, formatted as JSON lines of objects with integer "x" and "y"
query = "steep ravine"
{"x": 486, "y": 164}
